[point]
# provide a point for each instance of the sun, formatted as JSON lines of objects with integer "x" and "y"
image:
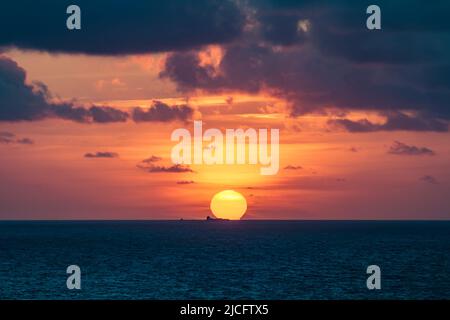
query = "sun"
{"x": 228, "y": 204}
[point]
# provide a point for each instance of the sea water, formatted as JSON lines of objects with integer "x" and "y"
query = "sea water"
{"x": 225, "y": 260}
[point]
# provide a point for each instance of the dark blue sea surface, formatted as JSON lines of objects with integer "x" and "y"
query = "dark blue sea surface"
{"x": 225, "y": 260}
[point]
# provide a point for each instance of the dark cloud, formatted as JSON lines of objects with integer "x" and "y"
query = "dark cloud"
{"x": 177, "y": 168}
{"x": 20, "y": 101}
{"x": 160, "y": 111}
{"x": 149, "y": 165}
{"x": 319, "y": 55}
{"x": 429, "y": 179}
{"x": 7, "y": 137}
{"x": 362, "y": 125}
{"x": 93, "y": 114}
{"x": 291, "y": 167}
{"x": 185, "y": 182}
{"x": 401, "y": 121}
{"x": 119, "y": 27}
{"x": 10, "y": 138}
{"x": 283, "y": 29}
{"x": 6, "y": 134}
{"x": 400, "y": 148}
{"x": 394, "y": 121}
{"x": 335, "y": 25}
{"x": 102, "y": 154}
{"x": 152, "y": 159}
{"x": 229, "y": 101}
{"x": 107, "y": 114}
{"x": 25, "y": 141}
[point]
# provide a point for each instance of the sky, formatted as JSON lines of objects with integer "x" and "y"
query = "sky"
{"x": 86, "y": 115}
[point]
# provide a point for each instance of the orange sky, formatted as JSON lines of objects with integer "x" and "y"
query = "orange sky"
{"x": 342, "y": 176}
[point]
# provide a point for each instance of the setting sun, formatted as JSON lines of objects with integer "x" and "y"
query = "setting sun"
{"x": 228, "y": 204}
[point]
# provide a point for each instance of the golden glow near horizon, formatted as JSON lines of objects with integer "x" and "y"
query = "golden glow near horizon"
{"x": 228, "y": 204}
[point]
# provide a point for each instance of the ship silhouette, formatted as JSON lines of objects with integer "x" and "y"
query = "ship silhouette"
{"x": 208, "y": 218}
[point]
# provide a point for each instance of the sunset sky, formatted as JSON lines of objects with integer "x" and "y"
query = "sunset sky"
{"x": 86, "y": 116}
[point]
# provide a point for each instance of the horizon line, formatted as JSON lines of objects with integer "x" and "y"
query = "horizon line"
{"x": 223, "y": 221}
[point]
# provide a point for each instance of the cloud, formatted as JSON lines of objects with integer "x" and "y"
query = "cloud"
{"x": 316, "y": 55}
{"x": 399, "y": 148}
{"x": 401, "y": 121}
{"x": 291, "y": 167}
{"x": 10, "y": 138}
{"x": 20, "y": 101}
{"x": 429, "y": 179}
{"x": 24, "y": 141}
{"x": 107, "y": 114}
{"x": 102, "y": 154}
{"x": 7, "y": 137}
{"x": 177, "y": 168}
{"x": 6, "y": 134}
{"x": 319, "y": 56}
{"x": 149, "y": 165}
{"x": 395, "y": 121}
{"x": 160, "y": 111}
{"x": 152, "y": 159}
{"x": 94, "y": 114}
{"x": 362, "y": 125}
{"x": 185, "y": 182}
{"x": 119, "y": 27}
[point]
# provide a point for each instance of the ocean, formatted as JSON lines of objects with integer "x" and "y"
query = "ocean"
{"x": 225, "y": 260}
